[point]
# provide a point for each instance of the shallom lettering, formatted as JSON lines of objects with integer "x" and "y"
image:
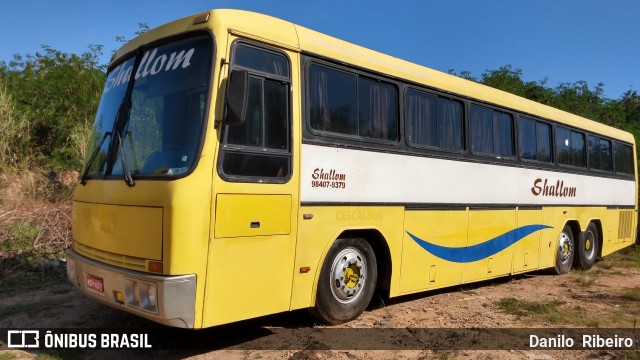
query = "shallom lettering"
{"x": 151, "y": 64}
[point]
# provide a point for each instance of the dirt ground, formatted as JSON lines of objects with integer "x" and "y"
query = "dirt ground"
{"x": 606, "y": 296}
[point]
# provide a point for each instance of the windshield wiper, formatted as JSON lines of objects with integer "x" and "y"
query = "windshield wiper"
{"x": 83, "y": 179}
{"x": 128, "y": 179}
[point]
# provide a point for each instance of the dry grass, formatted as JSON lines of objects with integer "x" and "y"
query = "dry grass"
{"x": 35, "y": 218}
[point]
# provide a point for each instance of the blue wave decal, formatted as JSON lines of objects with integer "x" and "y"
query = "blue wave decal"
{"x": 479, "y": 251}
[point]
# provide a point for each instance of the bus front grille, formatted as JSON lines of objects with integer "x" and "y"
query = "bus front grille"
{"x": 125, "y": 261}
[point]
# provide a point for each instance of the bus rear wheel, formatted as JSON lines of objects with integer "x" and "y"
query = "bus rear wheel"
{"x": 566, "y": 250}
{"x": 347, "y": 281}
{"x": 587, "y": 248}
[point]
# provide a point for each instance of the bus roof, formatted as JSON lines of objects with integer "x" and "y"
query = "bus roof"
{"x": 298, "y": 38}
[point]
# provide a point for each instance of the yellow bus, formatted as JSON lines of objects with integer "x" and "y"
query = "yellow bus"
{"x": 242, "y": 165}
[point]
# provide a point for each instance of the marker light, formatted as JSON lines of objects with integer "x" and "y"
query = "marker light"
{"x": 71, "y": 271}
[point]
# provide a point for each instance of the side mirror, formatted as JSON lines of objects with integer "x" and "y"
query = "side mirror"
{"x": 237, "y": 97}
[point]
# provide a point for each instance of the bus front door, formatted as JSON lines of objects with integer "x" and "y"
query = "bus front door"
{"x": 252, "y": 246}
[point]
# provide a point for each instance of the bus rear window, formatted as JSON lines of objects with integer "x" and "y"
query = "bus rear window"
{"x": 623, "y": 156}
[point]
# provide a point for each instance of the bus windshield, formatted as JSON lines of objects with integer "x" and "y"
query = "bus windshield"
{"x": 152, "y": 110}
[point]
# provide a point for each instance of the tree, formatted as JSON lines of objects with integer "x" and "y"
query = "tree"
{"x": 58, "y": 94}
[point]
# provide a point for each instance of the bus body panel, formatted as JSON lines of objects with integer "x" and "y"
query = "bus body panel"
{"x": 138, "y": 229}
{"x": 421, "y": 270}
{"x": 485, "y": 226}
{"x": 526, "y": 253}
{"x": 376, "y": 177}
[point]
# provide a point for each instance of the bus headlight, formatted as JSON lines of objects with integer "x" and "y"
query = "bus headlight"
{"x": 148, "y": 296}
{"x": 142, "y": 295}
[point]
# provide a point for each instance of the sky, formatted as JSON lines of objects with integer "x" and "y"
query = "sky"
{"x": 563, "y": 41}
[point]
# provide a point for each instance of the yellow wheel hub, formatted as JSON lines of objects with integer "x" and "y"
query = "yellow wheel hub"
{"x": 351, "y": 276}
{"x": 587, "y": 244}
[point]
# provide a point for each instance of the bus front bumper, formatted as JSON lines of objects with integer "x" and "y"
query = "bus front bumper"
{"x": 168, "y": 300}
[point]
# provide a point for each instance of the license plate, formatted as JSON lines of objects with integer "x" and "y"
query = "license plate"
{"x": 95, "y": 283}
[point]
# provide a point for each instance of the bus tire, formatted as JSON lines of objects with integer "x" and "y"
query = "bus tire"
{"x": 566, "y": 250}
{"x": 587, "y": 249}
{"x": 347, "y": 281}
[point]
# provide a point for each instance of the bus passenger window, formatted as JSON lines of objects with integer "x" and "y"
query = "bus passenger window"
{"x": 570, "y": 147}
{"x": 600, "y": 154}
{"x": 535, "y": 140}
{"x": 434, "y": 121}
{"x": 332, "y": 96}
{"x": 378, "y": 109}
{"x": 349, "y": 104}
{"x": 491, "y": 132}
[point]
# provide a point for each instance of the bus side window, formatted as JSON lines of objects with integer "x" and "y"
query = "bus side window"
{"x": 570, "y": 147}
{"x": 259, "y": 147}
{"x": 344, "y": 103}
{"x": 332, "y": 100}
{"x": 491, "y": 132}
{"x": 535, "y": 140}
{"x": 623, "y": 155}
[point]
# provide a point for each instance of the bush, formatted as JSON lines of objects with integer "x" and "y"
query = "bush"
{"x": 53, "y": 100}
{"x": 14, "y": 133}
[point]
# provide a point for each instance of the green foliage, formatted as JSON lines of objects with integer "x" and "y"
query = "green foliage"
{"x": 53, "y": 99}
{"x": 14, "y": 133}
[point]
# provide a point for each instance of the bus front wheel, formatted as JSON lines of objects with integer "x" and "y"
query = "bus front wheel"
{"x": 347, "y": 281}
{"x": 566, "y": 250}
{"x": 587, "y": 248}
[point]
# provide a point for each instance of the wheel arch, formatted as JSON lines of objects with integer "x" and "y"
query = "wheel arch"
{"x": 598, "y": 225}
{"x": 381, "y": 250}
{"x": 575, "y": 228}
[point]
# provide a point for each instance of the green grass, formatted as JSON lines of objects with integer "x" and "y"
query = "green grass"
{"x": 6, "y": 356}
{"x": 550, "y": 311}
{"x": 558, "y": 312}
{"x": 626, "y": 258}
{"x": 586, "y": 278}
{"x": 21, "y": 237}
{"x": 528, "y": 308}
{"x": 632, "y": 294}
